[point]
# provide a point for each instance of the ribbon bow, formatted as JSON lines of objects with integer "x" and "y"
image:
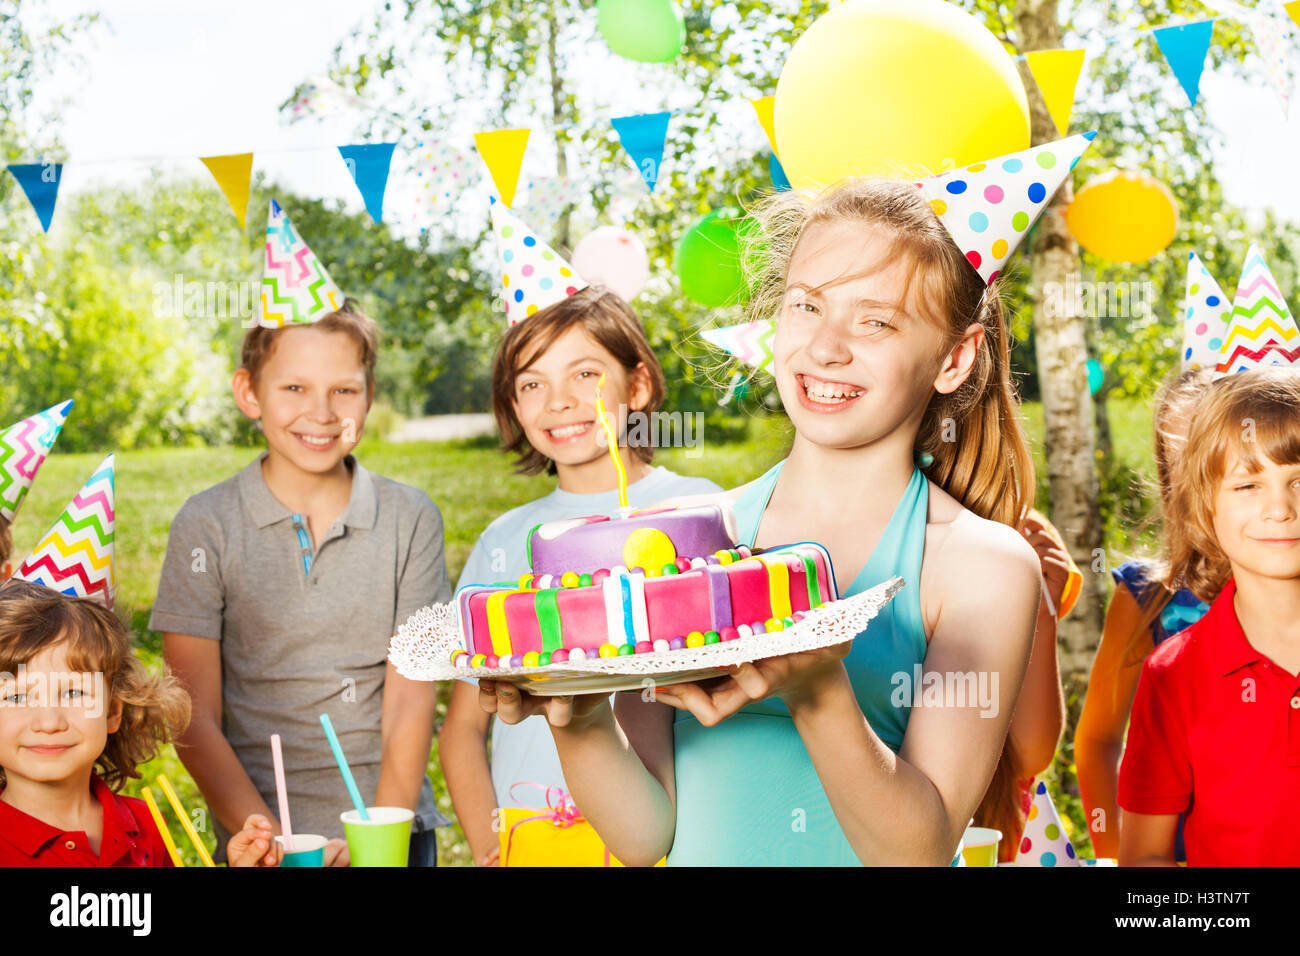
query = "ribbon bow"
{"x": 560, "y": 810}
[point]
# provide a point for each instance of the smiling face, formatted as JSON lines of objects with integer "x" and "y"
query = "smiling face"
{"x": 54, "y": 721}
{"x": 854, "y": 361}
{"x": 1257, "y": 518}
{"x": 311, "y": 397}
{"x": 555, "y": 397}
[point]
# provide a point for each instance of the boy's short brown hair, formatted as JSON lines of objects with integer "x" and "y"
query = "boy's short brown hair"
{"x": 34, "y": 617}
{"x": 259, "y": 341}
{"x": 607, "y": 319}
{"x": 6, "y": 540}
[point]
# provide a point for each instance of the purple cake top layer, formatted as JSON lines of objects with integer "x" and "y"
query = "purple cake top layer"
{"x": 584, "y": 545}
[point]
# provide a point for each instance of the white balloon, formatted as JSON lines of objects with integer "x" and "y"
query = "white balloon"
{"x": 614, "y": 258}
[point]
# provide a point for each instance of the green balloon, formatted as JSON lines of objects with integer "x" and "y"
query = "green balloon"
{"x": 650, "y": 31}
{"x": 708, "y": 259}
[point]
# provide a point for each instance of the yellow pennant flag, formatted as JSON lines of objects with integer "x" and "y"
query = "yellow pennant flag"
{"x": 503, "y": 151}
{"x": 1057, "y": 74}
{"x": 1293, "y": 8}
{"x": 763, "y": 109}
{"x": 232, "y": 174}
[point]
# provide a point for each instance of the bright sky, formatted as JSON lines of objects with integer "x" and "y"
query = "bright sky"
{"x": 184, "y": 78}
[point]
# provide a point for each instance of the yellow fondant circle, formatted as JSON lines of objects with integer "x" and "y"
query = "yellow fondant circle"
{"x": 648, "y": 548}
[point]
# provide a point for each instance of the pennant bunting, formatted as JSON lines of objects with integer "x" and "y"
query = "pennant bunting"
{"x": 763, "y": 109}
{"x": 75, "y": 557}
{"x": 1057, "y": 74}
{"x": 546, "y": 199}
{"x": 1205, "y": 323}
{"x": 779, "y": 179}
{"x": 1273, "y": 37}
{"x": 40, "y": 183}
{"x": 1293, "y": 8}
{"x": 503, "y": 153}
{"x": 1261, "y": 330}
{"x": 23, "y": 449}
{"x": 643, "y": 136}
{"x": 321, "y": 96}
{"x": 1044, "y": 842}
{"x": 1185, "y": 47}
{"x": 368, "y": 165}
{"x": 295, "y": 286}
{"x": 533, "y": 275}
{"x": 232, "y": 174}
{"x": 751, "y": 342}
{"x": 988, "y": 207}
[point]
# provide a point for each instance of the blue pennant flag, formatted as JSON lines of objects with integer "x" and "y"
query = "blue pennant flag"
{"x": 40, "y": 181}
{"x": 779, "y": 179}
{"x": 1185, "y": 48}
{"x": 643, "y": 137}
{"x": 368, "y": 163}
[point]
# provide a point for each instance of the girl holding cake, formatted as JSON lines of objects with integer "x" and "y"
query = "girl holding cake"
{"x": 908, "y": 459}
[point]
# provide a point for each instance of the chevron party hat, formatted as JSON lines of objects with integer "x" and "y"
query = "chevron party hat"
{"x": 23, "y": 449}
{"x": 295, "y": 286}
{"x": 751, "y": 342}
{"x": 988, "y": 207}
{"x": 1044, "y": 842}
{"x": 1261, "y": 331}
{"x": 533, "y": 275}
{"x": 1205, "y": 323}
{"x": 75, "y": 557}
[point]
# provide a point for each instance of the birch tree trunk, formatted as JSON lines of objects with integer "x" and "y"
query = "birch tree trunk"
{"x": 559, "y": 124}
{"x": 1060, "y": 336}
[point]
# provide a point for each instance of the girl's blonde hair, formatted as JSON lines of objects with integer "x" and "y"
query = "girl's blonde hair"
{"x": 34, "y": 617}
{"x": 974, "y": 435}
{"x": 1243, "y": 418}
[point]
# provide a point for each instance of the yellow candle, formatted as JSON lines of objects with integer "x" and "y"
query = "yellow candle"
{"x": 613, "y": 444}
{"x": 161, "y": 824}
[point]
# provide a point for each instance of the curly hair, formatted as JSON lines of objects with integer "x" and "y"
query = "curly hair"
{"x": 155, "y": 708}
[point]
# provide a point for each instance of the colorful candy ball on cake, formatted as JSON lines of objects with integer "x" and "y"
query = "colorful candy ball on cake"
{"x": 648, "y": 548}
{"x": 531, "y": 659}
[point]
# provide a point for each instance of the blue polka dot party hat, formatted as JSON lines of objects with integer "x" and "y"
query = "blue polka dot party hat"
{"x": 533, "y": 275}
{"x": 296, "y": 289}
{"x": 1205, "y": 323}
{"x": 1044, "y": 842}
{"x": 1261, "y": 331}
{"x": 988, "y": 207}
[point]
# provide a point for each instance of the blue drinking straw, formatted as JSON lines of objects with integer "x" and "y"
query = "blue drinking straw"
{"x": 353, "y": 792}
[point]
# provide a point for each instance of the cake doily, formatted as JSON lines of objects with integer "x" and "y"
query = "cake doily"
{"x": 422, "y": 648}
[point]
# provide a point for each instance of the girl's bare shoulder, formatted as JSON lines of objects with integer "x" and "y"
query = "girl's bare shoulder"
{"x": 961, "y": 543}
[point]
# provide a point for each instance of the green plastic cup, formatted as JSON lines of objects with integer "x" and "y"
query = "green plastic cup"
{"x": 308, "y": 850}
{"x": 383, "y": 840}
{"x": 980, "y": 846}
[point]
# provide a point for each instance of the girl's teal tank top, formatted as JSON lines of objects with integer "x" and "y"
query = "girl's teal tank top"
{"x": 747, "y": 791}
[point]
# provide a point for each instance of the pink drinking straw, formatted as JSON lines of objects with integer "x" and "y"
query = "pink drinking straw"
{"x": 282, "y": 792}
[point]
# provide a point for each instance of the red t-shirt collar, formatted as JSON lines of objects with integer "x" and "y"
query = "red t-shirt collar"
{"x": 31, "y": 835}
{"x": 1230, "y": 649}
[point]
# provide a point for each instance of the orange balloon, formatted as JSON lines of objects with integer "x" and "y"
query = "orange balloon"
{"x": 1123, "y": 216}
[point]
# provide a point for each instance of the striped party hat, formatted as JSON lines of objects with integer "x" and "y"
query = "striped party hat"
{"x": 23, "y": 449}
{"x": 75, "y": 557}
{"x": 988, "y": 207}
{"x": 295, "y": 286}
{"x": 1261, "y": 331}
{"x": 751, "y": 342}
{"x": 533, "y": 275}
{"x": 1205, "y": 323}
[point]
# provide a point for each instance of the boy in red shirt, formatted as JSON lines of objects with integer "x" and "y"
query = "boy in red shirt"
{"x": 1215, "y": 730}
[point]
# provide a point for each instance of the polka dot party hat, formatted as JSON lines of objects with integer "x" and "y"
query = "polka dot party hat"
{"x": 1044, "y": 842}
{"x": 1205, "y": 323}
{"x": 751, "y": 342}
{"x": 533, "y": 275}
{"x": 295, "y": 286}
{"x": 1261, "y": 331}
{"x": 988, "y": 207}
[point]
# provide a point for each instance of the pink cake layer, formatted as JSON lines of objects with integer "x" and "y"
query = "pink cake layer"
{"x": 675, "y": 605}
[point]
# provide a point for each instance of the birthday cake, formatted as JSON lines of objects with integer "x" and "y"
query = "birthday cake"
{"x": 643, "y": 582}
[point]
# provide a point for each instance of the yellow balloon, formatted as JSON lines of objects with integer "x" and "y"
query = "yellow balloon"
{"x": 1123, "y": 216}
{"x": 879, "y": 87}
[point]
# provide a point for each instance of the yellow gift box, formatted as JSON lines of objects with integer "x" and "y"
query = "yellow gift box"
{"x": 554, "y": 835}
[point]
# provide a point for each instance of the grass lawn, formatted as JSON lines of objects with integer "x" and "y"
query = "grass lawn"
{"x": 471, "y": 483}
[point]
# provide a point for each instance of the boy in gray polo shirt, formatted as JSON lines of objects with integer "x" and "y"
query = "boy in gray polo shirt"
{"x": 282, "y": 587}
